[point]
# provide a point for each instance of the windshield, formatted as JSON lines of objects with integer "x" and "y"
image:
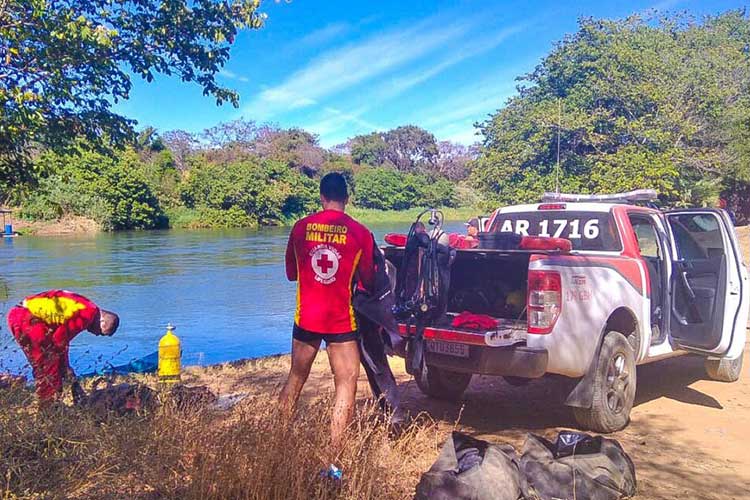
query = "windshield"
{"x": 594, "y": 231}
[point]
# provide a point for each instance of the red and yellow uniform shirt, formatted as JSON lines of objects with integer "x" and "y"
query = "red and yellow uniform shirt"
{"x": 43, "y": 325}
{"x": 326, "y": 251}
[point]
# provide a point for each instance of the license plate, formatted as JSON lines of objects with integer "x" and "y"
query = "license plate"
{"x": 448, "y": 348}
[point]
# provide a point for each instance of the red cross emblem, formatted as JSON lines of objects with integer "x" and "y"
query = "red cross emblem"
{"x": 325, "y": 263}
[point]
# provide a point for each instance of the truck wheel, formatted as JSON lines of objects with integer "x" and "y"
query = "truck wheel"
{"x": 442, "y": 384}
{"x": 614, "y": 387}
{"x": 724, "y": 370}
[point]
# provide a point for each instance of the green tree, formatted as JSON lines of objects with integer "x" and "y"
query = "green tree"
{"x": 388, "y": 189}
{"x": 368, "y": 149}
{"x": 267, "y": 191}
{"x": 66, "y": 62}
{"x": 410, "y": 148}
{"x": 636, "y": 103}
{"x": 112, "y": 191}
{"x": 407, "y": 148}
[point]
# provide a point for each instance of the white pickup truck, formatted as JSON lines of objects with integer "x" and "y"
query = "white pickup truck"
{"x": 634, "y": 285}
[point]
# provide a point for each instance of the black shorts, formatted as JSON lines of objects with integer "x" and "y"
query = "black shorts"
{"x": 331, "y": 338}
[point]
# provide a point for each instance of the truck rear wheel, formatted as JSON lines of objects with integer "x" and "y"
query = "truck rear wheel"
{"x": 442, "y": 384}
{"x": 724, "y": 370}
{"x": 614, "y": 387}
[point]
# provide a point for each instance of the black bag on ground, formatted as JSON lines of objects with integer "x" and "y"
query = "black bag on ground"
{"x": 192, "y": 398}
{"x": 119, "y": 399}
{"x": 471, "y": 469}
{"x": 576, "y": 466}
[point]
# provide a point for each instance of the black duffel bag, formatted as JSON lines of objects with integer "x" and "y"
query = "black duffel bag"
{"x": 576, "y": 466}
{"x": 471, "y": 469}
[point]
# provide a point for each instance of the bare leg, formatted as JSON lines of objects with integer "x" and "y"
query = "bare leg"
{"x": 344, "y": 360}
{"x": 303, "y": 355}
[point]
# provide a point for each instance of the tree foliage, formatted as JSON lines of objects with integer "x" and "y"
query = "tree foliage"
{"x": 407, "y": 148}
{"x": 388, "y": 189}
{"x": 643, "y": 103}
{"x": 113, "y": 192}
{"x": 368, "y": 149}
{"x": 266, "y": 191}
{"x": 65, "y": 63}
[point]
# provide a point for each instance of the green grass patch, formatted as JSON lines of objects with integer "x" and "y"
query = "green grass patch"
{"x": 370, "y": 216}
{"x": 187, "y": 218}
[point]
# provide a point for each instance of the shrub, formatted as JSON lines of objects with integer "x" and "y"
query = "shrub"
{"x": 268, "y": 191}
{"x": 386, "y": 189}
{"x": 113, "y": 192}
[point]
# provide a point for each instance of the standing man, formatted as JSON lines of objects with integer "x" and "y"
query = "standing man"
{"x": 45, "y": 323}
{"x": 327, "y": 253}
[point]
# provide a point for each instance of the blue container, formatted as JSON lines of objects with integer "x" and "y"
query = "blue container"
{"x": 8, "y": 229}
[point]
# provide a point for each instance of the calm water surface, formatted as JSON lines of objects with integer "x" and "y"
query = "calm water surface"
{"x": 226, "y": 290}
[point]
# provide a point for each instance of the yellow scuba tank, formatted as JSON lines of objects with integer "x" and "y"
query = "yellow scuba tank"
{"x": 170, "y": 353}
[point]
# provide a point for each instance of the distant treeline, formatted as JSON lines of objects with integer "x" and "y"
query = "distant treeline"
{"x": 239, "y": 174}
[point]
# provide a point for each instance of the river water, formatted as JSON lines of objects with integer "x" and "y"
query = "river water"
{"x": 225, "y": 290}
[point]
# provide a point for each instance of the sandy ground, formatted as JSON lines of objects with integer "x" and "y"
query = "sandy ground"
{"x": 689, "y": 436}
{"x": 65, "y": 226}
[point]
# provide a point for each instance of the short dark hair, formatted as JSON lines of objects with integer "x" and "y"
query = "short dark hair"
{"x": 333, "y": 187}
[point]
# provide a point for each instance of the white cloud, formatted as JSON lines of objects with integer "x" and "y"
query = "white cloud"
{"x": 334, "y": 125}
{"x": 340, "y": 69}
{"x": 232, "y": 75}
{"x": 371, "y": 61}
{"x": 324, "y": 34}
{"x": 400, "y": 85}
{"x": 453, "y": 118}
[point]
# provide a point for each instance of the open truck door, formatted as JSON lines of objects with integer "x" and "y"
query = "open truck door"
{"x": 709, "y": 283}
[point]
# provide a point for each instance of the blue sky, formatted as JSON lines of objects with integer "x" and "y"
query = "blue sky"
{"x": 340, "y": 68}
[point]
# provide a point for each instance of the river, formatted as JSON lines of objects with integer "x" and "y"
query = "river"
{"x": 225, "y": 290}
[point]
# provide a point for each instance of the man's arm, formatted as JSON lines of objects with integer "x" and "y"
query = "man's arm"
{"x": 291, "y": 257}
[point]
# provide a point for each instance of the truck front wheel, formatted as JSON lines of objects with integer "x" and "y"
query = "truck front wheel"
{"x": 724, "y": 370}
{"x": 442, "y": 384}
{"x": 614, "y": 387}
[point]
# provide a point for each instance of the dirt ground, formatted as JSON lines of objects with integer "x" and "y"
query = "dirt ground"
{"x": 65, "y": 226}
{"x": 688, "y": 436}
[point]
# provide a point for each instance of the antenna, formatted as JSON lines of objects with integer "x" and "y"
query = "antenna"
{"x": 559, "y": 125}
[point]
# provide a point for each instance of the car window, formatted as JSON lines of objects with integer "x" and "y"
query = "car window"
{"x": 585, "y": 230}
{"x": 648, "y": 238}
{"x": 697, "y": 236}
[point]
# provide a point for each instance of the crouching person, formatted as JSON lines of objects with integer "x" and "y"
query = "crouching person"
{"x": 44, "y": 324}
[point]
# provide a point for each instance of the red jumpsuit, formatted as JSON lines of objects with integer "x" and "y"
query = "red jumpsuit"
{"x": 43, "y": 325}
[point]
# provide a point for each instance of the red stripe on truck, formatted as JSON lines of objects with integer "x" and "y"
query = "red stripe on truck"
{"x": 625, "y": 267}
{"x": 445, "y": 335}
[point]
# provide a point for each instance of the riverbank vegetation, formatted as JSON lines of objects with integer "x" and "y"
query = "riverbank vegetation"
{"x": 237, "y": 174}
{"x": 659, "y": 103}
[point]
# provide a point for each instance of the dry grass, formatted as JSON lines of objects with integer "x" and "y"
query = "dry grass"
{"x": 243, "y": 453}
